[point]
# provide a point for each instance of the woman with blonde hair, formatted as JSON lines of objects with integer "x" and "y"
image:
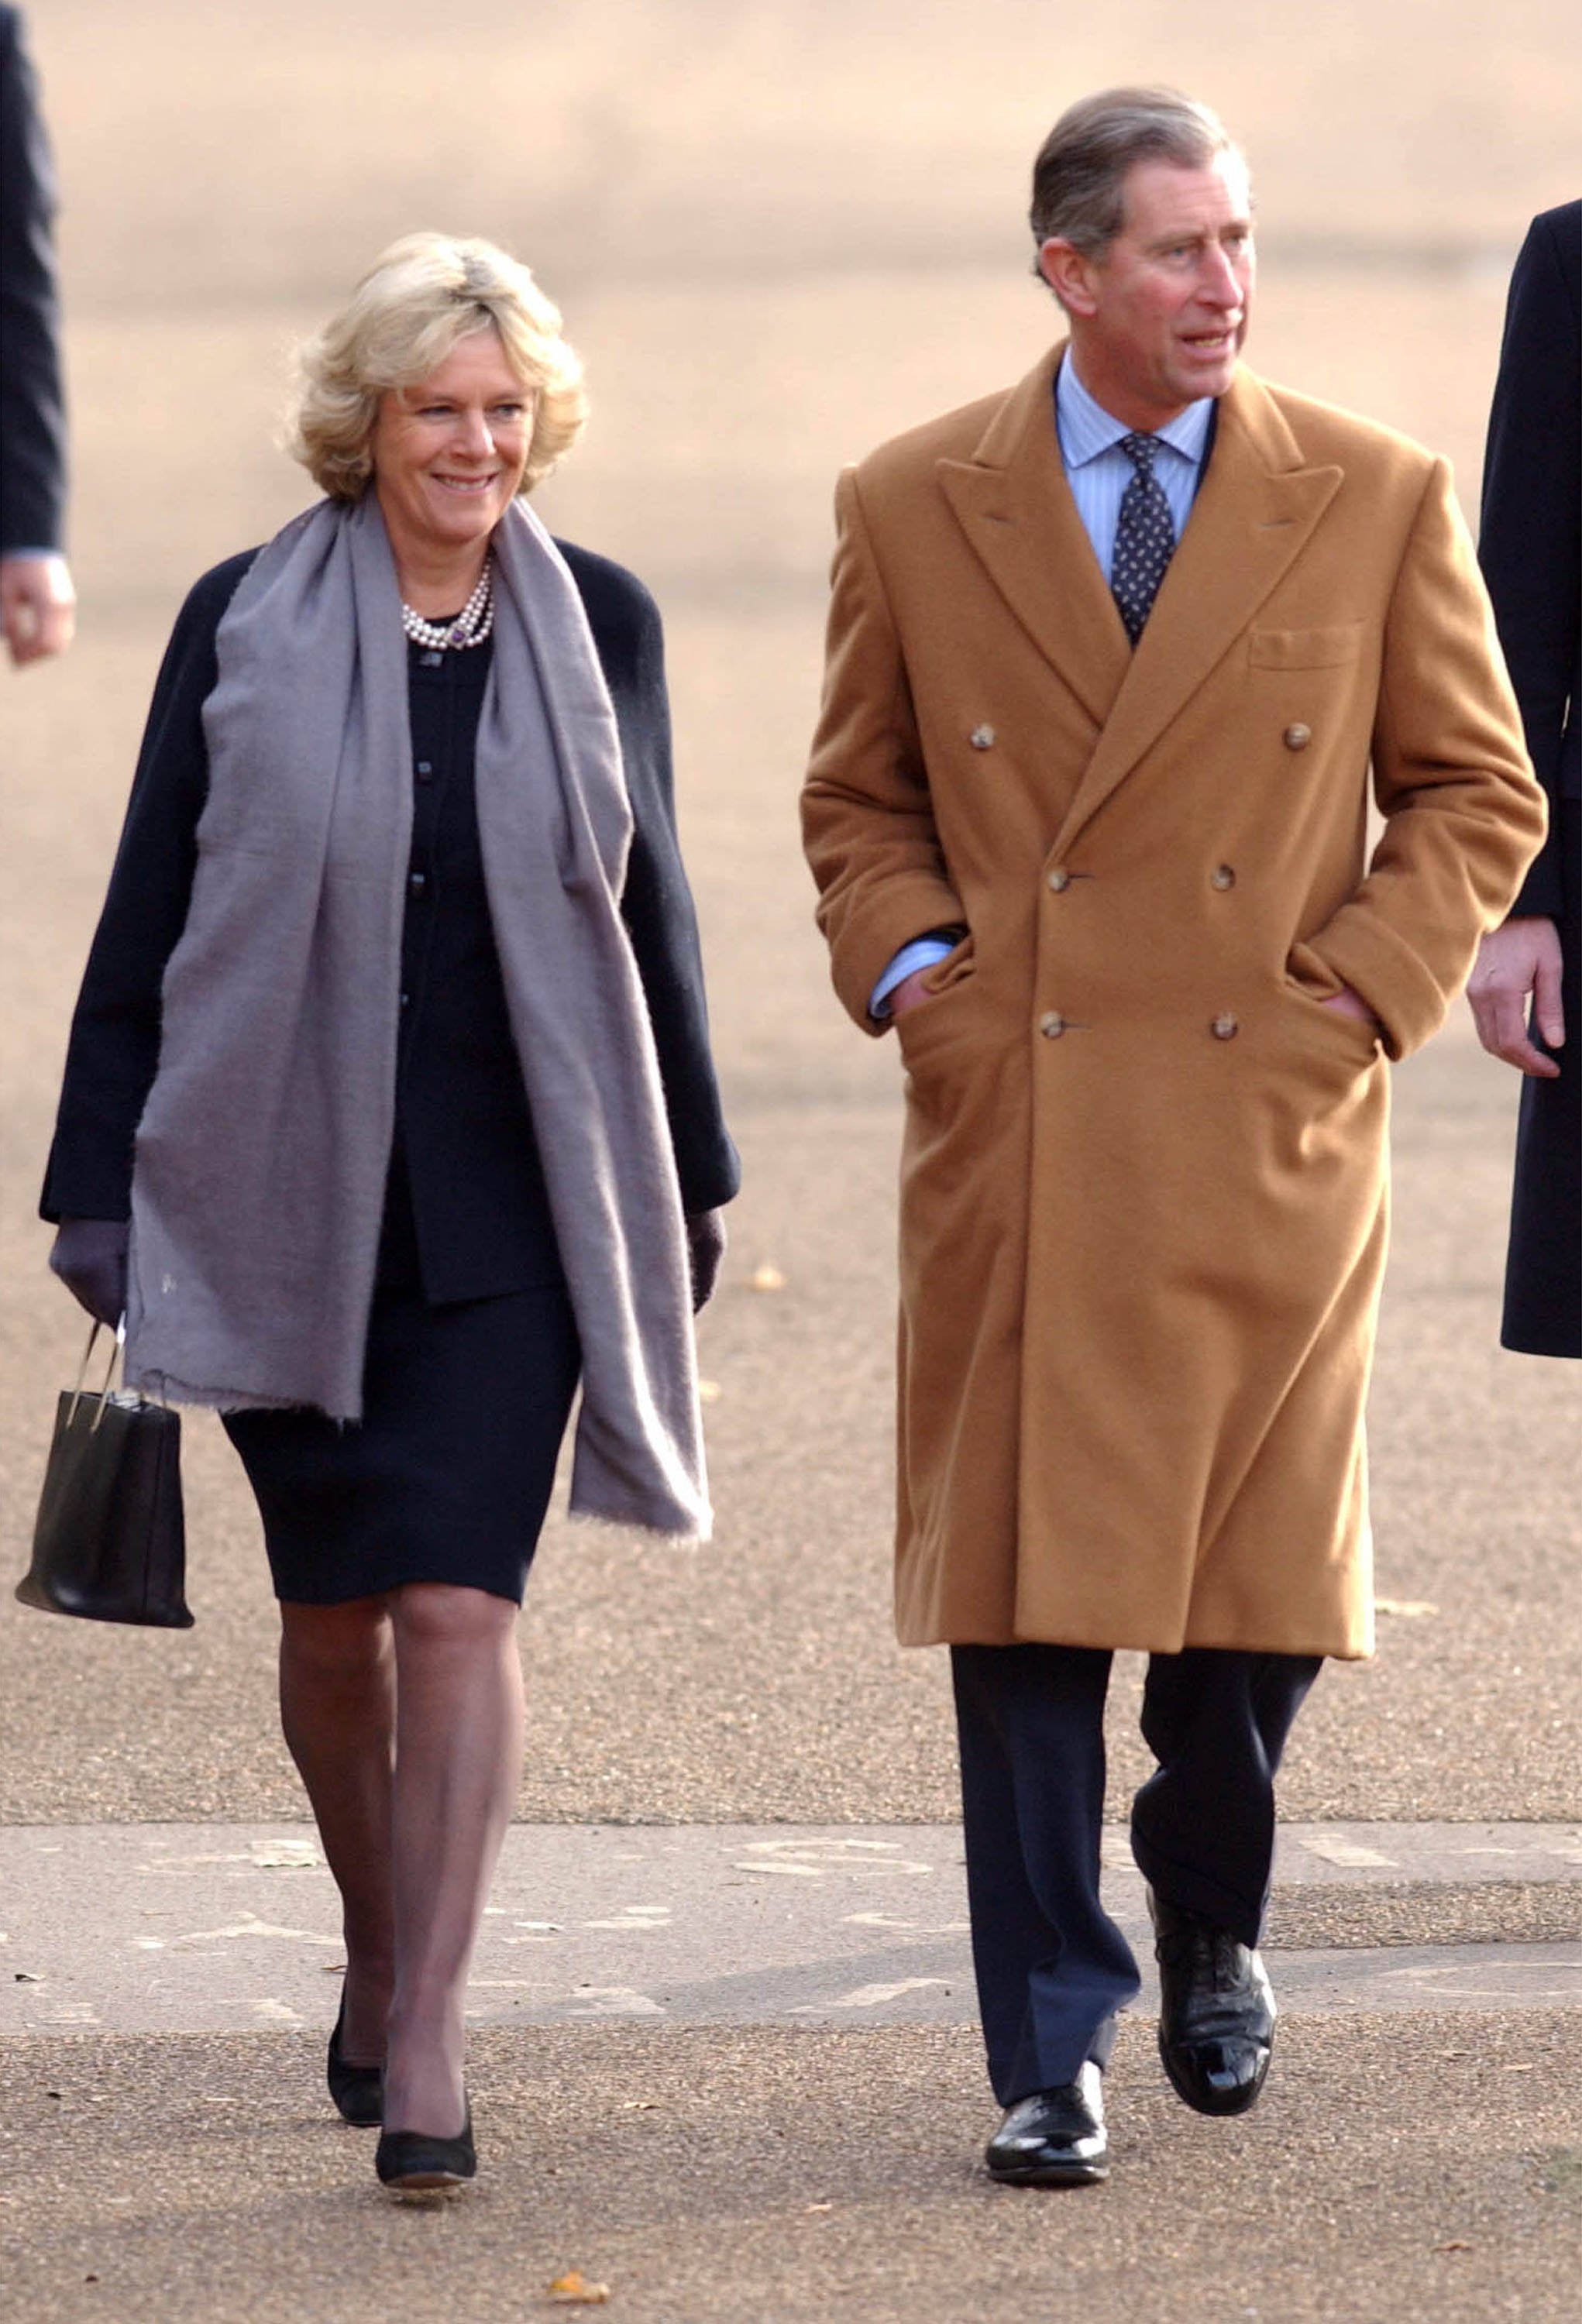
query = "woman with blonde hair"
{"x": 389, "y": 1117}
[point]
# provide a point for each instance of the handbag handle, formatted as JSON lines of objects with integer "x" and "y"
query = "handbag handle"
{"x": 104, "y": 1392}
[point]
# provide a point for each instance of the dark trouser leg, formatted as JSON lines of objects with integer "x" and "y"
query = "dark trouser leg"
{"x": 1203, "y": 1824}
{"x": 1053, "y": 1968}
{"x": 1543, "y": 1269}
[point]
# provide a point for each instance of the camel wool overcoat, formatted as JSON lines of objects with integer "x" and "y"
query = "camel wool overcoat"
{"x": 1144, "y": 1170}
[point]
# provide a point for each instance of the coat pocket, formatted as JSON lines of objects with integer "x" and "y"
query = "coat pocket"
{"x": 955, "y": 969}
{"x": 1308, "y": 983}
{"x": 1323, "y": 649}
{"x": 946, "y": 984}
{"x": 1344, "y": 1036}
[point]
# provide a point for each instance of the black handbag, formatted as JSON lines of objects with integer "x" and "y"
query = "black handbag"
{"x": 110, "y": 1540}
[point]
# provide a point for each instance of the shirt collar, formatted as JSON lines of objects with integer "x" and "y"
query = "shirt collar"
{"x": 1087, "y": 428}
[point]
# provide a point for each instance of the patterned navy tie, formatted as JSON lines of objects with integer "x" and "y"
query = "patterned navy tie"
{"x": 1145, "y": 538}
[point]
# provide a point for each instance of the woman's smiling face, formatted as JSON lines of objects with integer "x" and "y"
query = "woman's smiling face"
{"x": 448, "y": 453}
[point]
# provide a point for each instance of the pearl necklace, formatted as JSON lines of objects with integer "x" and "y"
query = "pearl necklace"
{"x": 471, "y": 626}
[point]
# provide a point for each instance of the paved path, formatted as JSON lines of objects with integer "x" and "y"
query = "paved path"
{"x": 730, "y": 2073}
{"x": 217, "y": 1928}
{"x": 1419, "y": 2168}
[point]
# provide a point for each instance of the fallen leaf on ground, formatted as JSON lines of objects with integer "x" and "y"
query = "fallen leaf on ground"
{"x": 710, "y": 1391}
{"x": 25, "y": 1977}
{"x": 333, "y": 1968}
{"x": 1456, "y": 2247}
{"x": 820, "y": 2207}
{"x": 1410, "y": 1610}
{"x": 767, "y": 1277}
{"x": 573, "y": 2290}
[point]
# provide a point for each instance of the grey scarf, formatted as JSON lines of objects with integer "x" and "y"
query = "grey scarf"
{"x": 261, "y": 1157}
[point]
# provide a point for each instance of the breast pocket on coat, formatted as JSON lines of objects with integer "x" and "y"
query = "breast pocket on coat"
{"x": 1322, "y": 649}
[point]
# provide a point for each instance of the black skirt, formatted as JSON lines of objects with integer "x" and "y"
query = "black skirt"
{"x": 448, "y": 1475}
{"x": 1543, "y": 1270}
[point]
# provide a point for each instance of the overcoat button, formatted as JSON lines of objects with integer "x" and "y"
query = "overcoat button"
{"x": 1297, "y": 736}
{"x": 1053, "y": 1026}
{"x": 982, "y": 738}
{"x": 1224, "y": 1028}
{"x": 1059, "y": 879}
{"x": 1222, "y": 876}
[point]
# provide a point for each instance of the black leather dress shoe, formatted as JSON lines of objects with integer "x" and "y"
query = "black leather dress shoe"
{"x": 1055, "y": 2138}
{"x": 1217, "y": 2011}
{"x": 412, "y": 2163}
{"x": 358, "y": 2092}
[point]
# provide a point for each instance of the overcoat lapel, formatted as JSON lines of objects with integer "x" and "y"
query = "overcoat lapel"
{"x": 1254, "y": 516}
{"x": 1014, "y": 505}
{"x": 1252, "y": 519}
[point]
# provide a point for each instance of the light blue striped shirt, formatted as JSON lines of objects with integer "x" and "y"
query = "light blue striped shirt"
{"x": 1098, "y": 472}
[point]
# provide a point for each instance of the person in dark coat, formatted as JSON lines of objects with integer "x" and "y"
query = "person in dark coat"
{"x": 389, "y": 1116}
{"x": 1530, "y": 550}
{"x": 37, "y": 602}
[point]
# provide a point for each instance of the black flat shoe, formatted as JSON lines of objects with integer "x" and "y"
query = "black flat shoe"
{"x": 412, "y": 2163}
{"x": 1217, "y": 2011}
{"x": 1055, "y": 2138}
{"x": 358, "y": 2092}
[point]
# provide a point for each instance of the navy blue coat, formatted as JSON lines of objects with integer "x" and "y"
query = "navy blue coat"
{"x": 1531, "y": 548}
{"x": 32, "y": 432}
{"x": 1530, "y": 541}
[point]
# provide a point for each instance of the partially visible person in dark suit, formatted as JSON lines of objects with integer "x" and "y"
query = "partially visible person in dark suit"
{"x": 37, "y": 600}
{"x": 389, "y": 1117}
{"x": 1531, "y": 550}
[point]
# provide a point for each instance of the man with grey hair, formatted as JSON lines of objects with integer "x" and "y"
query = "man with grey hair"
{"x": 1112, "y": 658}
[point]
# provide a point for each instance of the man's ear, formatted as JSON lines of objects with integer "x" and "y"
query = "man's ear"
{"x": 1069, "y": 274}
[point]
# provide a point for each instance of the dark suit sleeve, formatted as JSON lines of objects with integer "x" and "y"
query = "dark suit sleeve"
{"x": 114, "y": 1049}
{"x": 657, "y": 903}
{"x": 1531, "y": 539}
{"x": 33, "y": 430}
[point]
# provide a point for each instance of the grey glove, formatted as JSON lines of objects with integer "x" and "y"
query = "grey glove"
{"x": 705, "y": 1253}
{"x": 89, "y": 1256}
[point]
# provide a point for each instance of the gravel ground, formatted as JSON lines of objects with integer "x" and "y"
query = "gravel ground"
{"x": 1394, "y": 2173}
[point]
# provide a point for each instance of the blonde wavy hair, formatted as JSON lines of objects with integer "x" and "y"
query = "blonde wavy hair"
{"x": 420, "y": 296}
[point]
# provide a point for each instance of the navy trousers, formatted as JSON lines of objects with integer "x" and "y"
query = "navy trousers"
{"x": 1053, "y": 1968}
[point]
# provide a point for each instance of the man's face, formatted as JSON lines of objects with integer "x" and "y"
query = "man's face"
{"x": 1159, "y": 320}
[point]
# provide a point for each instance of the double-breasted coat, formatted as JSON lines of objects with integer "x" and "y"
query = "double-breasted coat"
{"x": 1144, "y": 1170}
